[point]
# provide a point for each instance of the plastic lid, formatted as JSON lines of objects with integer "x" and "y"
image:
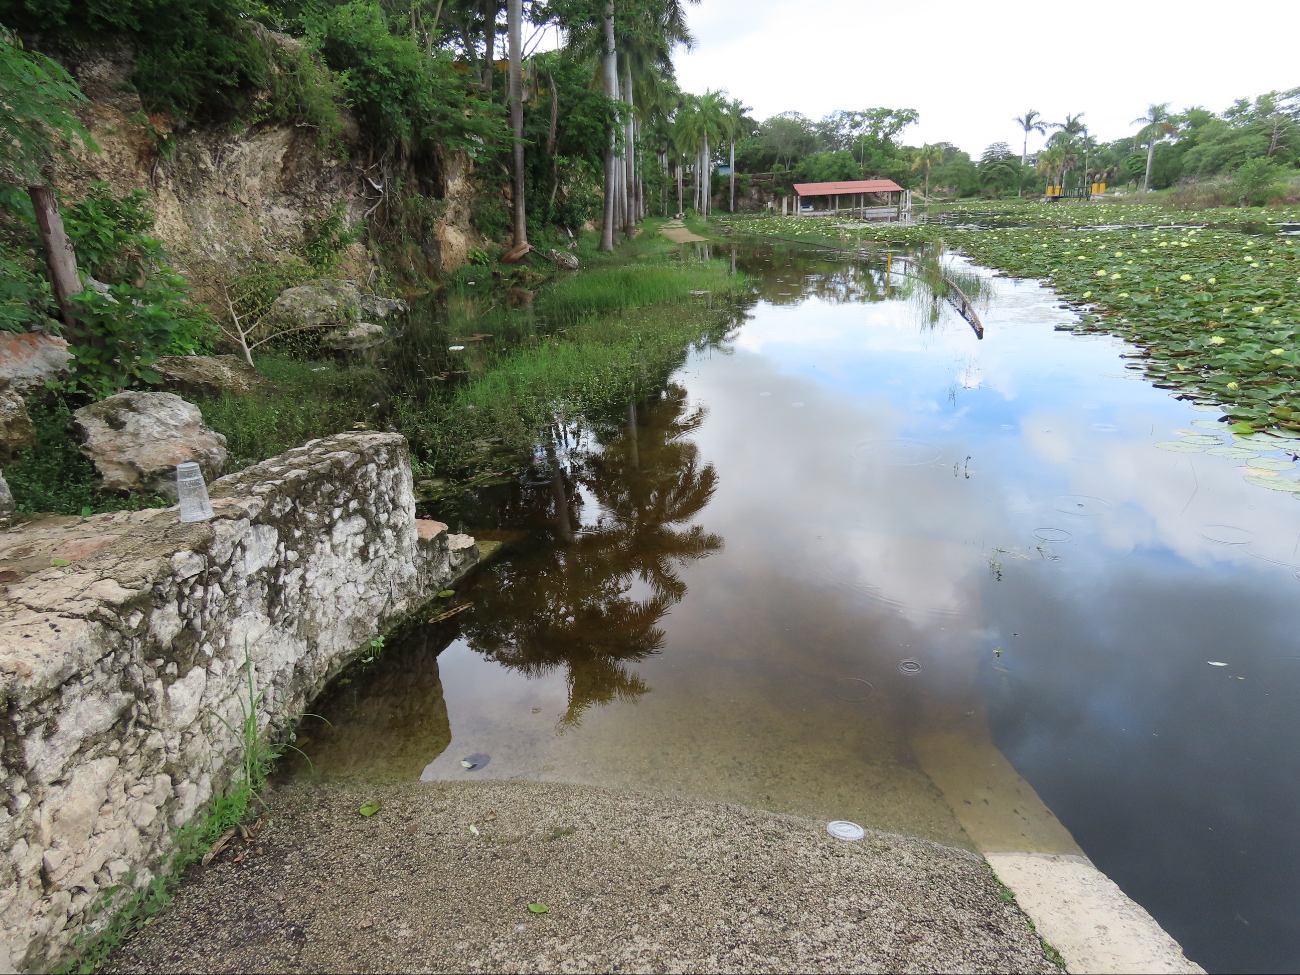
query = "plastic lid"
{"x": 843, "y": 830}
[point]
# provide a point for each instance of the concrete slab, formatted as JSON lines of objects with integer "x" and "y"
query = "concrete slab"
{"x": 1084, "y": 915}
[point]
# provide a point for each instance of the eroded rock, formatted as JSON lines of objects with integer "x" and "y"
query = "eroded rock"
{"x": 208, "y": 375}
{"x": 7, "y": 506}
{"x": 341, "y": 306}
{"x": 136, "y": 439}
{"x": 363, "y": 335}
{"x": 16, "y": 430}
{"x": 28, "y": 360}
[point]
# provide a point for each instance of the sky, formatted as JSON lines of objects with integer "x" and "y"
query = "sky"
{"x": 969, "y": 69}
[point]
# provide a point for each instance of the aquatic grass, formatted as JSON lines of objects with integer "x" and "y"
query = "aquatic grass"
{"x": 605, "y": 290}
{"x": 1216, "y": 312}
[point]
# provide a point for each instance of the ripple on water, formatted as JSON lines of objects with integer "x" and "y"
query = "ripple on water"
{"x": 854, "y": 690}
{"x": 909, "y": 666}
{"x": 1052, "y": 535}
{"x": 1080, "y": 504}
{"x": 1226, "y": 534}
{"x": 898, "y": 453}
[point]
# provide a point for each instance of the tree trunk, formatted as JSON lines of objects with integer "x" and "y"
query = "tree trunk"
{"x": 680, "y": 204}
{"x": 1151, "y": 154}
{"x": 555, "y": 115}
{"x": 515, "y": 16}
{"x": 708, "y": 177}
{"x": 733, "y": 175}
{"x": 609, "y": 65}
{"x": 64, "y": 280}
{"x": 629, "y": 155}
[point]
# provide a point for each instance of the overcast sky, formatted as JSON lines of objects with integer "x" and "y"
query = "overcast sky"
{"x": 969, "y": 68}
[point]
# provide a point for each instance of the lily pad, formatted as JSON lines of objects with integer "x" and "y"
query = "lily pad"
{"x": 1256, "y": 443}
{"x": 1240, "y": 452}
{"x": 1273, "y": 464}
{"x": 1204, "y": 441}
{"x": 1272, "y": 483}
{"x": 1207, "y": 407}
{"x": 1209, "y": 424}
{"x": 1180, "y": 447}
{"x": 369, "y": 808}
{"x": 538, "y": 908}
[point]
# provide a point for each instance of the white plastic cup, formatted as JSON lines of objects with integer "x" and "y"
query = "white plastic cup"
{"x": 192, "y": 492}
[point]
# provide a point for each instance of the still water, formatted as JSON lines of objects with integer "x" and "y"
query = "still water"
{"x": 853, "y": 562}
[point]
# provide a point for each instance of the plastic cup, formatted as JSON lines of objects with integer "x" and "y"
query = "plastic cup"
{"x": 192, "y": 492}
{"x": 842, "y": 830}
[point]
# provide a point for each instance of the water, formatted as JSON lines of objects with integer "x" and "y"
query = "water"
{"x": 856, "y": 563}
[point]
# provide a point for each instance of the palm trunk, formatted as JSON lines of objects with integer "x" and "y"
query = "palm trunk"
{"x": 733, "y": 176}
{"x": 514, "y": 20}
{"x": 629, "y": 154}
{"x": 609, "y": 64}
{"x": 1151, "y": 154}
{"x": 680, "y": 205}
{"x": 708, "y": 177}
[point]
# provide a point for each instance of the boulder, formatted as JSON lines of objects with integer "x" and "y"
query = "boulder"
{"x": 7, "y": 505}
{"x": 340, "y": 303}
{"x": 136, "y": 439}
{"x": 16, "y": 430}
{"x": 362, "y": 335}
{"x": 208, "y": 375}
{"x": 29, "y": 359}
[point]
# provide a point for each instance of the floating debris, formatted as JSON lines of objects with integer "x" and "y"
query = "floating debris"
{"x": 842, "y": 829}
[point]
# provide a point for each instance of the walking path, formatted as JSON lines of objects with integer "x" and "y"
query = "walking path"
{"x": 675, "y": 230}
{"x": 453, "y": 877}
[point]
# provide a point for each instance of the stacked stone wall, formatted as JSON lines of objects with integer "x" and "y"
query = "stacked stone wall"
{"x": 124, "y": 674}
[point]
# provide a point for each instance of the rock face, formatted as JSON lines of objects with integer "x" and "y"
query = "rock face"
{"x": 135, "y": 441}
{"x": 117, "y": 670}
{"x": 16, "y": 430}
{"x": 28, "y": 360}
{"x": 340, "y": 303}
{"x": 208, "y": 375}
{"x": 7, "y": 506}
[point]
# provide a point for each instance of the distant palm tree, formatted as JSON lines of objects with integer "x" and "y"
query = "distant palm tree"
{"x": 1067, "y": 131}
{"x": 927, "y": 156}
{"x": 1053, "y": 161}
{"x": 1156, "y": 124}
{"x": 1031, "y": 121}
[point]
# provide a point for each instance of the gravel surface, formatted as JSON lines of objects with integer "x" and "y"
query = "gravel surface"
{"x": 630, "y": 882}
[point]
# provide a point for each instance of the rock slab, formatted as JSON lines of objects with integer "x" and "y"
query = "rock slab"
{"x": 16, "y": 429}
{"x": 208, "y": 375}
{"x": 340, "y": 305}
{"x": 135, "y": 440}
{"x": 124, "y": 675}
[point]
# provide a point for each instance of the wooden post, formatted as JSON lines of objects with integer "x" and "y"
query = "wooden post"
{"x": 64, "y": 280}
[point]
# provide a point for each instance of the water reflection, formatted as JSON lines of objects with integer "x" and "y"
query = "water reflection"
{"x": 575, "y": 605}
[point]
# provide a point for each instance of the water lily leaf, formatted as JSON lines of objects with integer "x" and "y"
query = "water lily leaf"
{"x": 538, "y": 908}
{"x": 1209, "y": 424}
{"x": 1179, "y": 447}
{"x": 1240, "y": 452}
{"x": 1241, "y": 428}
{"x": 1273, "y": 464}
{"x": 369, "y": 808}
{"x": 1273, "y": 483}
{"x": 1204, "y": 441}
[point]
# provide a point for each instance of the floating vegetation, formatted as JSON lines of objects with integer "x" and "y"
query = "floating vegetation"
{"x": 1180, "y": 446}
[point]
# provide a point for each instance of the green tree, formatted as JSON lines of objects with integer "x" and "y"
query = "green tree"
{"x": 1157, "y": 125}
{"x": 1031, "y": 121}
{"x": 927, "y": 156}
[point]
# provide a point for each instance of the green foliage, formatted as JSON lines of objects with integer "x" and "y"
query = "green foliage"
{"x": 53, "y": 476}
{"x": 194, "y": 58}
{"x": 144, "y": 311}
{"x": 325, "y": 238}
{"x": 303, "y": 91}
{"x": 1257, "y": 180}
{"x": 36, "y": 98}
{"x": 407, "y": 99}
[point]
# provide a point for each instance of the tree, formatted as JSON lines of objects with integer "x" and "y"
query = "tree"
{"x": 927, "y": 156}
{"x": 1031, "y": 121}
{"x": 1157, "y": 124}
{"x": 36, "y": 100}
{"x": 735, "y": 124}
{"x": 515, "y": 16}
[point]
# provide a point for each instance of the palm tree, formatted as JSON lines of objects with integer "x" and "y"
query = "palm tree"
{"x": 514, "y": 20}
{"x": 1156, "y": 124}
{"x": 1031, "y": 121}
{"x": 735, "y": 123}
{"x": 927, "y": 156}
{"x": 1055, "y": 160}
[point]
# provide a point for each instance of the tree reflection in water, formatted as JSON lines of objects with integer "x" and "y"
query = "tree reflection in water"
{"x": 569, "y": 596}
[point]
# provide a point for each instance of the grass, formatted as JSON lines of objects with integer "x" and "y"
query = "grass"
{"x": 1216, "y": 310}
{"x": 592, "y": 337}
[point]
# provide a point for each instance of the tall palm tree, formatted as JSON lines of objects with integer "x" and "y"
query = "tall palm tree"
{"x": 1031, "y": 121}
{"x": 514, "y": 20}
{"x": 1156, "y": 124}
{"x": 735, "y": 124}
{"x": 927, "y": 156}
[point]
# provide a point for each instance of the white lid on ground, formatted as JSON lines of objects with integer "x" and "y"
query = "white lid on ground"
{"x": 842, "y": 830}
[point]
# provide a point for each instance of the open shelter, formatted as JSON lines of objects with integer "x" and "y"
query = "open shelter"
{"x": 867, "y": 199}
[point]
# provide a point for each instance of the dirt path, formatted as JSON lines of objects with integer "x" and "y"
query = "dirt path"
{"x": 631, "y": 882}
{"x": 676, "y": 231}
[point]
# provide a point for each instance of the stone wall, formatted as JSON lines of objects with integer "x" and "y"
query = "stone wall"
{"x": 117, "y": 669}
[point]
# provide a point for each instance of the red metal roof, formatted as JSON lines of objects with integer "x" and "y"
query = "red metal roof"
{"x": 848, "y": 186}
